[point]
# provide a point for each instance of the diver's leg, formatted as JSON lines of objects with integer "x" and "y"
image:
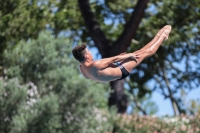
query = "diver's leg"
{"x": 130, "y": 64}
{"x": 157, "y": 36}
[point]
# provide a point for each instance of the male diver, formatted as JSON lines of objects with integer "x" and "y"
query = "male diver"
{"x": 105, "y": 70}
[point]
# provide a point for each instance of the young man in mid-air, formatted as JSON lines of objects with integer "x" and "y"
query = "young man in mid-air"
{"x": 104, "y": 70}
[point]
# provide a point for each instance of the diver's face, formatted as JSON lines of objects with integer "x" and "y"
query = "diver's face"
{"x": 89, "y": 54}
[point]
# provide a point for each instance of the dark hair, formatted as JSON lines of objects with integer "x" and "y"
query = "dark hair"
{"x": 78, "y": 52}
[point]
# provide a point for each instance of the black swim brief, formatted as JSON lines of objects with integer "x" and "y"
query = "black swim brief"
{"x": 125, "y": 73}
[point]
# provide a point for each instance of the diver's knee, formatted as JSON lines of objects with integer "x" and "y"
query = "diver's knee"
{"x": 150, "y": 52}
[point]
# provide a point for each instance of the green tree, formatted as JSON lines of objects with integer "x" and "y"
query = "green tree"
{"x": 175, "y": 66}
{"x": 22, "y": 19}
{"x": 119, "y": 26}
{"x": 119, "y": 22}
{"x": 12, "y": 98}
{"x": 56, "y": 97}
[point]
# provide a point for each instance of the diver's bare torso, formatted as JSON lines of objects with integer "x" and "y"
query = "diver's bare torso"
{"x": 111, "y": 73}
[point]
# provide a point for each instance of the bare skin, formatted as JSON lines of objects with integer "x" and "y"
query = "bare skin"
{"x": 104, "y": 70}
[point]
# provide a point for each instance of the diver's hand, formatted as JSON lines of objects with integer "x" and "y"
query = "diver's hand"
{"x": 134, "y": 56}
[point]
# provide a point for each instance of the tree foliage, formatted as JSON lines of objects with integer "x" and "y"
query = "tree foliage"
{"x": 116, "y": 23}
{"x": 21, "y": 19}
{"x": 40, "y": 94}
{"x": 163, "y": 68}
{"x": 176, "y": 65}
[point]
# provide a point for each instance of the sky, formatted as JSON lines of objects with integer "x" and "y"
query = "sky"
{"x": 164, "y": 105}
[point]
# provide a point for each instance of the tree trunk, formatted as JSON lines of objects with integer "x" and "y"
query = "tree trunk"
{"x": 2, "y": 47}
{"x": 117, "y": 97}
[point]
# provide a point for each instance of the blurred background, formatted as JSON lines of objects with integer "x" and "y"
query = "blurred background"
{"x": 42, "y": 90}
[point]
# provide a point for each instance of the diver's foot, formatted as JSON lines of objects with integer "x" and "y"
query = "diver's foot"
{"x": 166, "y": 31}
{"x": 161, "y": 30}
